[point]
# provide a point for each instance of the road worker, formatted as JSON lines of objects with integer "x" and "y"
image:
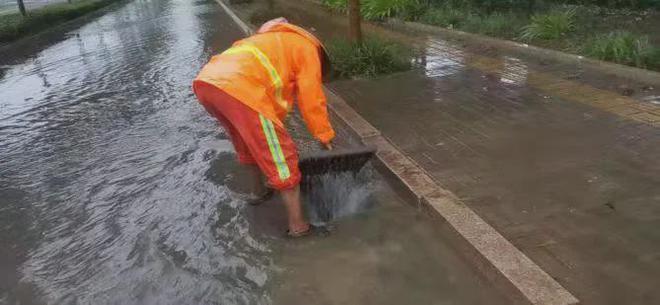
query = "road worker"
{"x": 251, "y": 87}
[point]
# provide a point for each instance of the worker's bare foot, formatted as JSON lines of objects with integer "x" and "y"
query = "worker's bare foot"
{"x": 299, "y": 230}
{"x": 311, "y": 229}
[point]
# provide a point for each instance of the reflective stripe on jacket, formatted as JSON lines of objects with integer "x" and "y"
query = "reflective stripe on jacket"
{"x": 267, "y": 70}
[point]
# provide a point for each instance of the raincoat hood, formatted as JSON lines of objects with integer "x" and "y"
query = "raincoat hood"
{"x": 282, "y": 25}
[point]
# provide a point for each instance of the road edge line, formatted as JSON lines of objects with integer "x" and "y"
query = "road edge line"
{"x": 247, "y": 30}
{"x": 499, "y": 260}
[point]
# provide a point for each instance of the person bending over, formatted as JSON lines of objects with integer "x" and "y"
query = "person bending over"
{"x": 250, "y": 88}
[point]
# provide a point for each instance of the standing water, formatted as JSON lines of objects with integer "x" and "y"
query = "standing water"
{"x": 113, "y": 186}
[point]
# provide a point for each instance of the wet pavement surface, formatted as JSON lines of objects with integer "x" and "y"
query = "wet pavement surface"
{"x": 574, "y": 188}
{"x": 561, "y": 160}
{"x": 117, "y": 188}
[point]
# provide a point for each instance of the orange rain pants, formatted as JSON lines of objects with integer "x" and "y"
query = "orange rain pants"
{"x": 256, "y": 139}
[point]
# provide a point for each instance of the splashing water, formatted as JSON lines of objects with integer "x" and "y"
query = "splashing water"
{"x": 337, "y": 195}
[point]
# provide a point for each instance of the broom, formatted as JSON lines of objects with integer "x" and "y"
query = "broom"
{"x": 335, "y": 161}
{"x": 315, "y": 165}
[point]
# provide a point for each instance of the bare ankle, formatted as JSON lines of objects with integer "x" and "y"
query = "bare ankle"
{"x": 299, "y": 227}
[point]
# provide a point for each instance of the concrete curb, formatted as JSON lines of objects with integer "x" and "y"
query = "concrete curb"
{"x": 632, "y": 73}
{"x": 500, "y": 261}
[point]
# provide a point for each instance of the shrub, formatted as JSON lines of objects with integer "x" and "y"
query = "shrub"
{"x": 493, "y": 5}
{"x": 552, "y": 25}
{"x": 380, "y": 9}
{"x": 371, "y": 58}
{"x": 625, "y": 48}
{"x": 413, "y": 11}
{"x": 445, "y": 17}
{"x": 619, "y": 3}
{"x": 339, "y": 5}
{"x": 497, "y": 24}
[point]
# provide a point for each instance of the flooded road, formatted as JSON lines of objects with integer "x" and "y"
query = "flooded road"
{"x": 104, "y": 154}
{"x": 114, "y": 186}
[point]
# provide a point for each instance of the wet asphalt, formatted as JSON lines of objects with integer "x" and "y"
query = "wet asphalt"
{"x": 117, "y": 188}
{"x": 105, "y": 153}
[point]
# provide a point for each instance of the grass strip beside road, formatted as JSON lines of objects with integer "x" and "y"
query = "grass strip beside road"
{"x": 619, "y": 34}
{"x": 15, "y": 26}
{"x": 373, "y": 57}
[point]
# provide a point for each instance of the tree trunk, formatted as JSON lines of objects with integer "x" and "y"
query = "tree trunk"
{"x": 21, "y": 7}
{"x": 354, "y": 23}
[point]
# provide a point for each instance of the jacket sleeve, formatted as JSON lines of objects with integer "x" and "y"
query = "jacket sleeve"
{"x": 311, "y": 99}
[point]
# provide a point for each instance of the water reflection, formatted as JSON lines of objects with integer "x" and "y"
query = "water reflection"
{"x": 103, "y": 155}
{"x": 514, "y": 71}
{"x": 442, "y": 58}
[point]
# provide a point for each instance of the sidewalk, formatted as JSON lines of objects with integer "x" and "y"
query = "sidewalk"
{"x": 561, "y": 160}
{"x": 573, "y": 187}
{"x": 567, "y": 171}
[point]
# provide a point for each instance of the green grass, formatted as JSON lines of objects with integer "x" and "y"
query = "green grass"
{"x": 443, "y": 16}
{"x": 378, "y": 9}
{"x": 497, "y": 24}
{"x": 381, "y": 9}
{"x": 339, "y": 5}
{"x": 371, "y": 58}
{"x": 504, "y": 24}
{"x": 549, "y": 26}
{"x": 624, "y": 48}
{"x": 579, "y": 27}
{"x": 14, "y": 26}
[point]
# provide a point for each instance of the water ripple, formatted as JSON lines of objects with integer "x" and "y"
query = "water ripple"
{"x": 104, "y": 155}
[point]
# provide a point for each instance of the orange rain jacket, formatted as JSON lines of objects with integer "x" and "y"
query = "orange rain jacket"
{"x": 266, "y": 70}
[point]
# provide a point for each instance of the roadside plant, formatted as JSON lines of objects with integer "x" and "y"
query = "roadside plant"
{"x": 552, "y": 25}
{"x": 371, "y": 58}
{"x": 625, "y": 48}
{"x": 381, "y": 9}
{"x": 496, "y": 24}
{"x": 444, "y": 16}
{"x": 338, "y": 5}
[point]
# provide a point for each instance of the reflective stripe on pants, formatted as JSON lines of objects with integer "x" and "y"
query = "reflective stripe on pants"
{"x": 256, "y": 139}
{"x": 275, "y": 148}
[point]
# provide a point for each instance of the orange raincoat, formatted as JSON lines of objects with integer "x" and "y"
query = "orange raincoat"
{"x": 267, "y": 70}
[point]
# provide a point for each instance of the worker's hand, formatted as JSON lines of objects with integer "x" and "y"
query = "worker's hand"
{"x": 327, "y": 146}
